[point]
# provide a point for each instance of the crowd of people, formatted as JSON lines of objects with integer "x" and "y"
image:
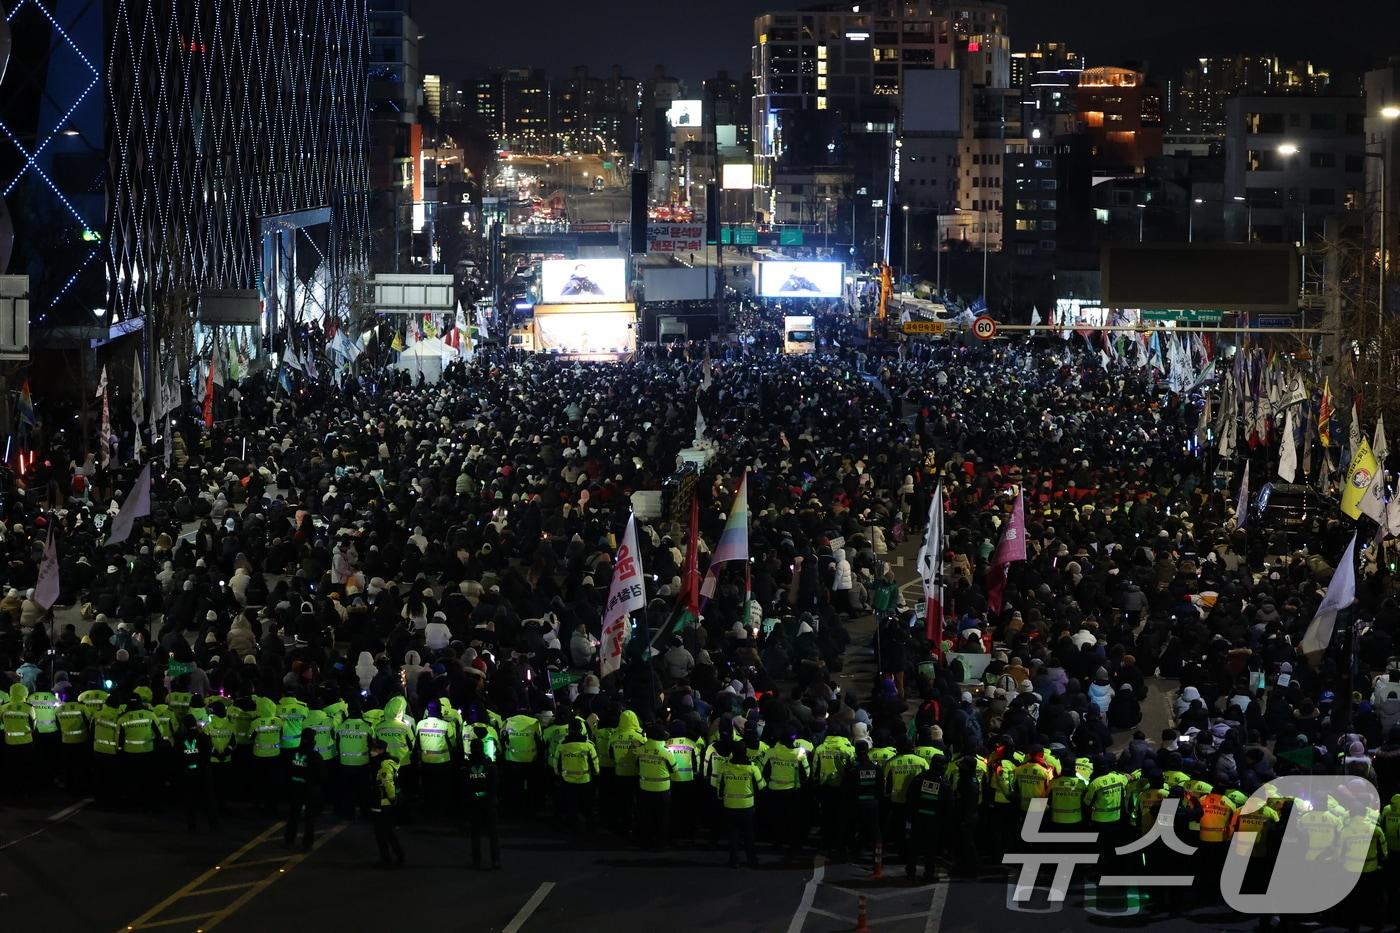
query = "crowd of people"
{"x": 385, "y": 597}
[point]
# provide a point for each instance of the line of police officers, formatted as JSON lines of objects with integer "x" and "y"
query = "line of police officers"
{"x": 910, "y": 793}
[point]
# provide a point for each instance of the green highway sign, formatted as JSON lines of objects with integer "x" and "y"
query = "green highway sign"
{"x": 747, "y": 236}
{"x": 726, "y": 235}
{"x": 790, "y": 237}
{"x": 1183, "y": 316}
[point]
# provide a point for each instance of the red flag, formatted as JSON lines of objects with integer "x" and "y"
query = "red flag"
{"x": 690, "y": 573}
{"x": 1011, "y": 547}
{"x": 209, "y": 388}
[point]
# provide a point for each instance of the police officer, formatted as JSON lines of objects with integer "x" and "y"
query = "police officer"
{"x": 73, "y": 749}
{"x": 786, "y": 769}
{"x": 267, "y": 754}
{"x": 861, "y": 787}
{"x": 739, "y": 783}
{"x": 196, "y": 780}
{"x": 483, "y": 788}
{"x": 386, "y": 770}
{"x": 627, "y": 740}
{"x": 1105, "y": 801}
{"x": 17, "y": 717}
{"x": 929, "y": 805}
{"x": 656, "y": 767}
{"x": 138, "y": 747}
{"x": 354, "y": 777}
{"x": 47, "y": 739}
{"x": 899, "y": 773}
{"x": 576, "y": 764}
{"x": 968, "y": 791}
{"x": 436, "y": 739}
{"x": 1066, "y": 794}
{"x": 829, "y": 761}
{"x": 106, "y": 746}
{"x": 686, "y": 785}
{"x": 305, "y": 777}
{"x": 221, "y": 749}
{"x": 524, "y": 742}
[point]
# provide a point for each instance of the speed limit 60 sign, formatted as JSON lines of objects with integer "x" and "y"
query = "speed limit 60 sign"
{"x": 984, "y": 328}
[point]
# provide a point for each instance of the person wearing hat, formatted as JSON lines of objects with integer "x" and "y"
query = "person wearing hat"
{"x": 656, "y": 769}
{"x": 861, "y": 791}
{"x": 138, "y": 746}
{"x": 740, "y": 781}
{"x": 482, "y": 785}
{"x": 576, "y": 765}
{"x": 786, "y": 769}
{"x": 435, "y": 741}
{"x": 196, "y": 778}
{"x": 386, "y": 770}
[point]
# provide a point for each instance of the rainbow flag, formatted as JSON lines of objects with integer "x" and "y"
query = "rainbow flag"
{"x": 733, "y": 541}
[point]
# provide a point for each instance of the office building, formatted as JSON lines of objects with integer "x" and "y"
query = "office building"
{"x": 139, "y": 176}
{"x": 432, "y": 96}
{"x": 525, "y": 111}
{"x": 1290, "y": 162}
{"x": 1121, "y": 112}
{"x": 1382, "y": 148}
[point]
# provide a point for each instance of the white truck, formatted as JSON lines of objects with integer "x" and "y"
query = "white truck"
{"x": 799, "y": 334}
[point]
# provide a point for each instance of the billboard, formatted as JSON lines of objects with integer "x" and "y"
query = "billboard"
{"x": 675, "y": 238}
{"x": 800, "y": 279}
{"x": 1206, "y": 276}
{"x": 601, "y": 330}
{"x": 678, "y": 284}
{"x": 579, "y": 281}
{"x": 685, "y": 113}
{"x": 737, "y": 176}
{"x": 932, "y": 100}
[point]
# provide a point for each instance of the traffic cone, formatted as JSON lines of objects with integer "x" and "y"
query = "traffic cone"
{"x": 862, "y": 925}
{"x": 879, "y": 860}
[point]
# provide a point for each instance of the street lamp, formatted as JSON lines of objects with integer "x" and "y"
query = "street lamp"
{"x": 1389, "y": 114}
{"x": 1249, "y": 218}
{"x": 1142, "y": 216}
{"x": 906, "y": 242}
{"x": 1288, "y": 151}
{"x": 1191, "y": 219}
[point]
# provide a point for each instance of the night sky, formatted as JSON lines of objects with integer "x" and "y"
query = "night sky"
{"x": 695, "y": 38}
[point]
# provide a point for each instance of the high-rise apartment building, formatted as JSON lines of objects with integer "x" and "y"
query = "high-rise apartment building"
{"x": 1121, "y": 111}
{"x": 1206, "y": 86}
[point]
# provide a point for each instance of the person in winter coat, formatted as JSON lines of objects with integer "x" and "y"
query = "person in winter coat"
{"x": 1124, "y": 711}
{"x": 1188, "y": 696}
{"x": 582, "y": 648}
{"x": 365, "y": 670}
{"x": 242, "y": 640}
{"x": 842, "y": 582}
{"x": 1101, "y": 692}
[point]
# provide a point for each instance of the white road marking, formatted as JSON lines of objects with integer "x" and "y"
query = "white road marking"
{"x": 809, "y": 894}
{"x": 530, "y": 906}
{"x": 935, "y": 908}
{"x": 58, "y": 817}
{"x": 69, "y": 811}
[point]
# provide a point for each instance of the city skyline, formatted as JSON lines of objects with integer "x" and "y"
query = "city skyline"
{"x": 1354, "y": 39}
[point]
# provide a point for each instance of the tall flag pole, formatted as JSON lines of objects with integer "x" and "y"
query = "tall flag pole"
{"x": 931, "y": 572}
{"x": 1341, "y": 593}
{"x": 687, "y": 607}
{"x": 104, "y": 443}
{"x": 626, "y": 595}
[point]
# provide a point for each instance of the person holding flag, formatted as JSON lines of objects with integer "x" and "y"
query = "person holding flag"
{"x": 1011, "y": 547}
{"x": 626, "y": 595}
{"x": 733, "y": 545}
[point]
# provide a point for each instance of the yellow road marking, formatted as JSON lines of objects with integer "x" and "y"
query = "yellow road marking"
{"x": 257, "y": 888}
{"x": 253, "y": 843}
{"x": 251, "y": 889}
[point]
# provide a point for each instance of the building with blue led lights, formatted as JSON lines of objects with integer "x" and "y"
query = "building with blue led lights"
{"x": 151, "y": 147}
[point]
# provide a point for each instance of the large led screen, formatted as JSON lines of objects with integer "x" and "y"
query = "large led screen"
{"x": 800, "y": 279}
{"x": 578, "y": 281}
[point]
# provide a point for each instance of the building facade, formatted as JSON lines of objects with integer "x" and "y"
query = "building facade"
{"x": 1291, "y": 162}
{"x": 136, "y": 172}
{"x": 1121, "y": 113}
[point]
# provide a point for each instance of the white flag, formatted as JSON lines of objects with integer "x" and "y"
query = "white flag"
{"x": 701, "y": 429}
{"x": 1242, "y": 506}
{"x": 1341, "y": 593}
{"x": 46, "y": 588}
{"x": 104, "y": 443}
{"x": 1288, "y": 450}
{"x": 138, "y": 394}
{"x": 930, "y": 563}
{"x": 1035, "y": 319}
{"x": 1373, "y": 502}
{"x": 136, "y": 505}
{"x": 626, "y": 594}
